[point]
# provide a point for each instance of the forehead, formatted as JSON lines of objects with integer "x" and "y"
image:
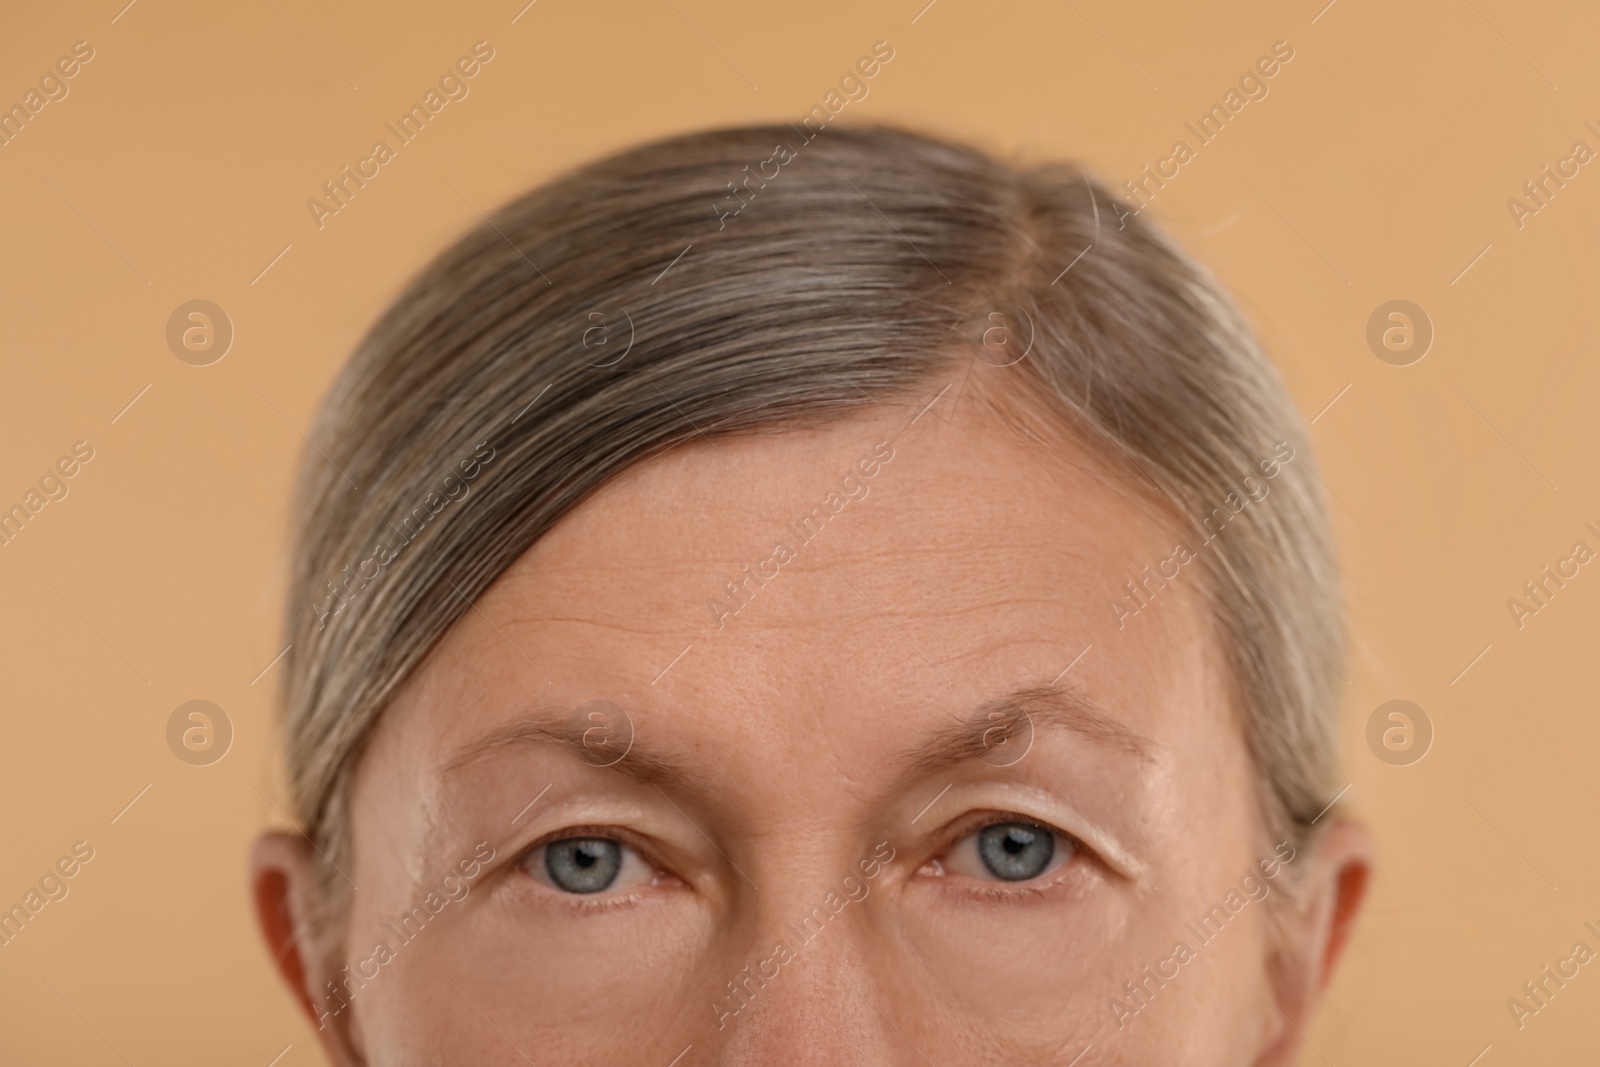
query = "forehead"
{"x": 792, "y": 585}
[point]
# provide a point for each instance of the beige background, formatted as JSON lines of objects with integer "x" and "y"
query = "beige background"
{"x": 1378, "y": 168}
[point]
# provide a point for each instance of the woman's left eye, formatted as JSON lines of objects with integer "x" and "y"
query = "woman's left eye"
{"x": 587, "y": 864}
{"x": 1009, "y": 851}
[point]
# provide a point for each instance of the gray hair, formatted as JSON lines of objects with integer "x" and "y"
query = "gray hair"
{"x": 743, "y": 279}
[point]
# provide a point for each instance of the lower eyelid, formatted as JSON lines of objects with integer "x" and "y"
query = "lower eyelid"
{"x": 545, "y": 896}
{"x": 1066, "y": 877}
{"x": 597, "y": 903}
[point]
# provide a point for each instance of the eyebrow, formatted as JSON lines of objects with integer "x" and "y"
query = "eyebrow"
{"x": 1046, "y": 707}
{"x": 953, "y": 743}
{"x": 549, "y": 727}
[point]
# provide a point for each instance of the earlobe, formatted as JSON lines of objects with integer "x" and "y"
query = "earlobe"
{"x": 282, "y": 873}
{"x": 1314, "y": 937}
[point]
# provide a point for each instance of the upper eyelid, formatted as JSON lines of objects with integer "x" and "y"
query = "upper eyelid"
{"x": 1116, "y": 857}
{"x": 1088, "y": 837}
{"x": 576, "y": 816}
{"x": 594, "y": 832}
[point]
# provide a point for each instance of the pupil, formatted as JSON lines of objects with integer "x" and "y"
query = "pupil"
{"x": 583, "y": 864}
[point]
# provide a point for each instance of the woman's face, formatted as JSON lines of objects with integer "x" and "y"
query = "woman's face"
{"x": 824, "y": 748}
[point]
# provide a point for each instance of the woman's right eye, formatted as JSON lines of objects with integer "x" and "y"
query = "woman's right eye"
{"x": 588, "y": 864}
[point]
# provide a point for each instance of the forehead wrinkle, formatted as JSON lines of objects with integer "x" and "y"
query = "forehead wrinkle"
{"x": 581, "y": 620}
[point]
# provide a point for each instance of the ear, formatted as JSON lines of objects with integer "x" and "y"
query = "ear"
{"x": 1332, "y": 887}
{"x": 282, "y": 879}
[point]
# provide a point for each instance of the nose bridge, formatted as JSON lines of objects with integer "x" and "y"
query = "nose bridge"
{"x": 803, "y": 997}
{"x": 804, "y": 973}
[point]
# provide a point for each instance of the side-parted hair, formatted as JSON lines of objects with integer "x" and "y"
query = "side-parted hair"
{"x": 761, "y": 278}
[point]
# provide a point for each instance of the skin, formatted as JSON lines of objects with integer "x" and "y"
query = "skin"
{"x": 788, "y": 764}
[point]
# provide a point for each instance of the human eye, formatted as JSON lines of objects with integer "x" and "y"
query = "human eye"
{"x": 586, "y": 862}
{"x": 1006, "y": 849}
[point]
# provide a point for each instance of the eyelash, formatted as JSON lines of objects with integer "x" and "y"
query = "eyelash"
{"x": 997, "y": 891}
{"x": 589, "y": 904}
{"x": 1010, "y": 892}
